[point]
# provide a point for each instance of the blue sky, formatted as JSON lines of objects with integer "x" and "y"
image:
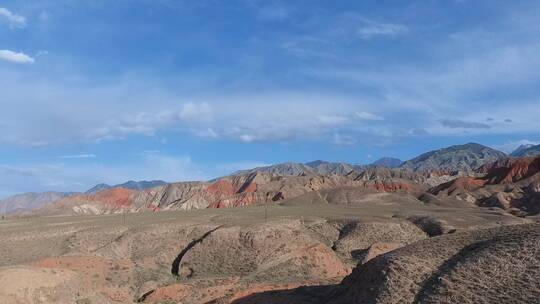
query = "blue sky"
{"x": 105, "y": 91}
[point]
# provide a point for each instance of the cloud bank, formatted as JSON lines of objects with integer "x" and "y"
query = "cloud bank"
{"x": 15, "y": 57}
{"x": 11, "y": 19}
{"x": 370, "y": 29}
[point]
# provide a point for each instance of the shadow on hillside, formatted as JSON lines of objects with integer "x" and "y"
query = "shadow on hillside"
{"x": 175, "y": 268}
{"x": 300, "y": 295}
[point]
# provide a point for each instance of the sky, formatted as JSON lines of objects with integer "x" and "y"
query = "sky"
{"x": 108, "y": 91}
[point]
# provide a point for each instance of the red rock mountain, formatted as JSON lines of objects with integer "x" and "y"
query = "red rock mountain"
{"x": 232, "y": 191}
{"x": 512, "y": 184}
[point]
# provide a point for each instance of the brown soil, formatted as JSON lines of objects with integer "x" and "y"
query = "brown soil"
{"x": 241, "y": 255}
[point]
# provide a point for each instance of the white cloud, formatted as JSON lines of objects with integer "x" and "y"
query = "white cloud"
{"x": 344, "y": 140}
{"x": 78, "y": 114}
{"x": 196, "y": 112}
{"x": 11, "y": 19}
{"x": 368, "y": 116}
{"x": 372, "y": 28}
{"x": 332, "y": 119}
{"x": 208, "y": 132}
{"x": 454, "y": 123}
{"x": 15, "y": 57}
{"x": 78, "y": 156}
{"x": 455, "y": 88}
{"x": 247, "y": 138}
{"x": 42, "y": 53}
{"x": 140, "y": 107}
{"x": 143, "y": 123}
{"x": 410, "y": 97}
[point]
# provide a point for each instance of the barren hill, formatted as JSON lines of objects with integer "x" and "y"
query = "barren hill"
{"x": 454, "y": 158}
{"x": 28, "y": 201}
{"x": 232, "y": 191}
{"x": 133, "y": 185}
{"x": 512, "y": 184}
{"x": 388, "y": 162}
{"x": 317, "y": 167}
{"x": 259, "y": 254}
{"x": 526, "y": 150}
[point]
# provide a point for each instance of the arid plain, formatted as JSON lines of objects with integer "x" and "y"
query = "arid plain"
{"x": 241, "y": 255}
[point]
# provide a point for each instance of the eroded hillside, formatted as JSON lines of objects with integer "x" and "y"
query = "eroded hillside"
{"x": 222, "y": 255}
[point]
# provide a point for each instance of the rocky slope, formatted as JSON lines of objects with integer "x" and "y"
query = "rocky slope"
{"x": 232, "y": 191}
{"x": 97, "y": 188}
{"x": 262, "y": 187}
{"x": 246, "y": 254}
{"x": 103, "y": 193}
{"x": 133, "y": 185}
{"x": 324, "y": 168}
{"x": 511, "y": 184}
{"x": 293, "y": 169}
{"x": 317, "y": 167}
{"x": 28, "y": 201}
{"x": 526, "y": 150}
{"x": 454, "y": 158}
{"x": 388, "y": 162}
{"x": 282, "y": 181}
{"x": 497, "y": 265}
{"x": 443, "y": 161}
{"x": 487, "y": 266}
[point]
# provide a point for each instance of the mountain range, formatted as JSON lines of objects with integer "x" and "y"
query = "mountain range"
{"x": 388, "y": 162}
{"x": 298, "y": 169}
{"x": 417, "y": 178}
{"x": 526, "y": 150}
{"x": 454, "y": 158}
{"x": 30, "y": 200}
{"x": 133, "y": 185}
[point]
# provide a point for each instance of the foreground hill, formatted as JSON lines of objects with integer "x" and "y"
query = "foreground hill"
{"x": 262, "y": 255}
{"x": 498, "y": 265}
{"x": 454, "y": 158}
{"x": 487, "y": 266}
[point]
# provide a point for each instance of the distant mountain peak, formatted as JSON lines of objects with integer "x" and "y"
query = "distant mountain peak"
{"x": 388, "y": 162}
{"x": 309, "y": 168}
{"x": 131, "y": 184}
{"x": 30, "y": 200}
{"x": 465, "y": 157}
{"x": 97, "y": 188}
{"x": 526, "y": 150}
{"x": 316, "y": 163}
